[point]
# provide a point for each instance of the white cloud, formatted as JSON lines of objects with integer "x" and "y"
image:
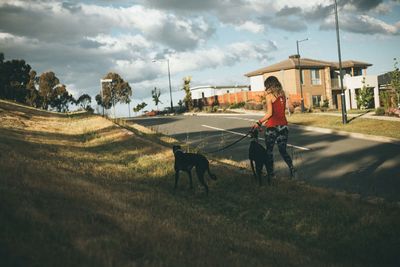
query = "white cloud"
{"x": 362, "y": 24}
{"x": 121, "y": 43}
{"x": 251, "y": 27}
{"x": 166, "y": 28}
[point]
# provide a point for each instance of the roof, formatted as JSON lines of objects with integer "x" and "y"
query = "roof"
{"x": 293, "y": 63}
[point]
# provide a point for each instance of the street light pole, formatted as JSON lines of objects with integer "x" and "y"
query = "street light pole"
{"x": 344, "y": 113}
{"x": 169, "y": 82}
{"x": 170, "y": 90}
{"x": 301, "y": 74}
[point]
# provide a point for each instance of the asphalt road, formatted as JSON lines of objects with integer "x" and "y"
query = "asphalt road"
{"x": 365, "y": 167}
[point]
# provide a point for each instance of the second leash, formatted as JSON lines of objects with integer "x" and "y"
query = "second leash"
{"x": 225, "y": 147}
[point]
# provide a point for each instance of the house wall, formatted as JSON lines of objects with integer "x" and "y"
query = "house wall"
{"x": 257, "y": 83}
{"x": 310, "y": 89}
{"x": 287, "y": 78}
{"x": 353, "y": 83}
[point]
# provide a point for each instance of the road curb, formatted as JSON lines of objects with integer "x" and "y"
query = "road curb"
{"x": 375, "y": 138}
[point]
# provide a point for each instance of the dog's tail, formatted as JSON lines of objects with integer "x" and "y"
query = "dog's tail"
{"x": 212, "y": 176}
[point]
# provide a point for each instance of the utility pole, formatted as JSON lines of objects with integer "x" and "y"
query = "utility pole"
{"x": 301, "y": 74}
{"x": 343, "y": 98}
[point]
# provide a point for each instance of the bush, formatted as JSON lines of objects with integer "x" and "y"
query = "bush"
{"x": 215, "y": 109}
{"x": 325, "y": 104}
{"x": 380, "y": 111}
{"x": 253, "y": 106}
{"x": 237, "y": 105}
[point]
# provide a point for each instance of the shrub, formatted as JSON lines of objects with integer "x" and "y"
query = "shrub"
{"x": 237, "y": 105}
{"x": 380, "y": 111}
{"x": 325, "y": 103}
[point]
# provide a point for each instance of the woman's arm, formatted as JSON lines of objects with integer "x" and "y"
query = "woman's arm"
{"x": 269, "y": 109}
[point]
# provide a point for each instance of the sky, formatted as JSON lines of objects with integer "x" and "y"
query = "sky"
{"x": 214, "y": 42}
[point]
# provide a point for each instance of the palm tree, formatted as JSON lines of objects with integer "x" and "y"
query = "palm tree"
{"x": 156, "y": 96}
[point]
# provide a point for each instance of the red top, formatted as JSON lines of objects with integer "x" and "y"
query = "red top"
{"x": 278, "y": 113}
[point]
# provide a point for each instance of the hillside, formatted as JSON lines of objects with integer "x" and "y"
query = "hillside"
{"x": 76, "y": 190}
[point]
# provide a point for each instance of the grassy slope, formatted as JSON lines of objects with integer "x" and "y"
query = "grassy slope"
{"x": 79, "y": 191}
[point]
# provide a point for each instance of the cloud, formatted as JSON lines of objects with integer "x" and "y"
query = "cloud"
{"x": 68, "y": 23}
{"x": 290, "y": 24}
{"x": 362, "y": 5}
{"x": 251, "y": 27}
{"x": 287, "y": 11}
{"x": 363, "y": 24}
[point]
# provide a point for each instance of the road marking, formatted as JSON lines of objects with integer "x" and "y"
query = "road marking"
{"x": 237, "y": 133}
{"x": 243, "y": 119}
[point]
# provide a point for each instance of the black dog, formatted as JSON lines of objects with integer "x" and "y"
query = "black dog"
{"x": 186, "y": 161}
{"x": 257, "y": 156}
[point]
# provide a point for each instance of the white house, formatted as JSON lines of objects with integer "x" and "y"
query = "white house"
{"x": 353, "y": 84}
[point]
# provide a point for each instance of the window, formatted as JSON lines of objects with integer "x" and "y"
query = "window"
{"x": 315, "y": 77}
{"x": 316, "y": 100}
{"x": 357, "y": 72}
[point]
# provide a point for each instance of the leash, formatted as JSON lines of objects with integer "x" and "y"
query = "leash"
{"x": 231, "y": 144}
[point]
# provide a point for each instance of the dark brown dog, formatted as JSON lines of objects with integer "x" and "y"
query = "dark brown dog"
{"x": 257, "y": 157}
{"x": 186, "y": 161}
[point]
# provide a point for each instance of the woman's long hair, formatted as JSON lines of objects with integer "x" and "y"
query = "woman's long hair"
{"x": 273, "y": 86}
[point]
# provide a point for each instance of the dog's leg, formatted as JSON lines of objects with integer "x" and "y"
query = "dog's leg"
{"x": 259, "y": 168}
{"x": 176, "y": 179}
{"x": 269, "y": 175}
{"x": 253, "y": 169}
{"x": 200, "y": 176}
{"x": 190, "y": 179}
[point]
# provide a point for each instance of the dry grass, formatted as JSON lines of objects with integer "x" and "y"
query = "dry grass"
{"x": 357, "y": 125}
{"x": 80, "y": 191}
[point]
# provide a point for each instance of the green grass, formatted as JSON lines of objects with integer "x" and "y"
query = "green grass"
{"x": 356, "y": 125}
{"x": 66, "y": 200}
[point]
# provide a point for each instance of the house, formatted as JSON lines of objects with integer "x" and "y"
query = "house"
{"x": 320, "y": 80}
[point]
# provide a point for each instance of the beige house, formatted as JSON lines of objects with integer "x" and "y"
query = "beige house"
{"x": 320, "y": 79}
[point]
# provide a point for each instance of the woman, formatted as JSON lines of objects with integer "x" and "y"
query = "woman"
{"x": 276, "y": 123}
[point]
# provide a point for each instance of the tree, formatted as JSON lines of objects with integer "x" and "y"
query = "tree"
{"x": 84, "y": 101}
{"x": 365, "y": 96}
{"x": 139, "y": 107}
{"x": 47, "y": 83}
{"x": 14, "y": 77}
{"x": 61, "y": 99}
{"x": 156, "y": 96}
{"x": 395, "y": 80}
{"x": 118, "y": 91}
{"x": 32, "y": 97}
{"x": 188, "y": 95}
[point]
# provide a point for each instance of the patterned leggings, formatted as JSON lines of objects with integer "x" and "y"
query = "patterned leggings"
{"x": 278, "y": 134}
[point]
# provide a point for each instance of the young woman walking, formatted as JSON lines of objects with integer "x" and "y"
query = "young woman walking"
{"x": 275, "y": 121}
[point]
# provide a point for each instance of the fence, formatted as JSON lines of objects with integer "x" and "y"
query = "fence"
{"x": 245, "y": 96}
